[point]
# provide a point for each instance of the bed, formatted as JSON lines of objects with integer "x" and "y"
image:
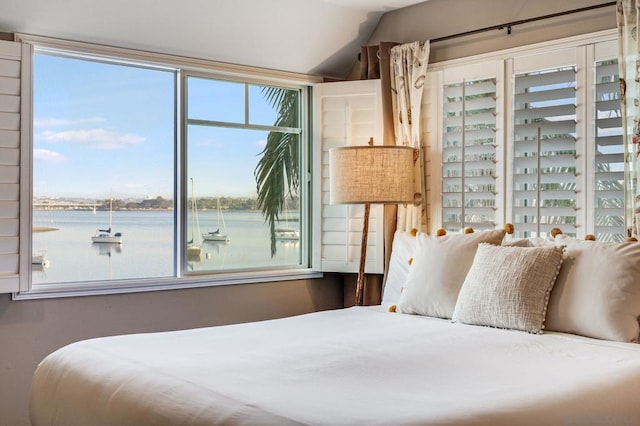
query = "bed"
{"x": 376, "y": 365}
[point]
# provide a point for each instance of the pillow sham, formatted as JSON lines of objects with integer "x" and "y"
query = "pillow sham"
{"x": 597, "y": 293}
{"x": 402, "y": 248}
{"x": 508, "y": 287}
{"x": 439, "y": 267}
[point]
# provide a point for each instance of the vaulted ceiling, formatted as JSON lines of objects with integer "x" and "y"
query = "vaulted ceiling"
{"x": 320, "y": 37}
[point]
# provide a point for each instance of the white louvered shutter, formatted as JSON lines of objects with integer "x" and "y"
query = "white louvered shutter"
{"x": 608, "y": 181}
{"x": 10, "y": 114}
{"x": 469, "y": 155}
{"x": 544, "y": 152}
{"x": 346, "y": 113}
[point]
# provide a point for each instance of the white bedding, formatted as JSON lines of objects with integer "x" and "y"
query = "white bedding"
{"x": 354, "y": 366}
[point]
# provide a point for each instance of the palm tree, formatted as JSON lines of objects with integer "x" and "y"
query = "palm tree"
{"x": 277, "y": 172}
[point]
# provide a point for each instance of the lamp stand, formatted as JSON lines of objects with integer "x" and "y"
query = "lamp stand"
{"x": 363, "y": 257}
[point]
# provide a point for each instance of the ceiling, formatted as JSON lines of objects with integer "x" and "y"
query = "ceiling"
{"x": 320, "y": 37}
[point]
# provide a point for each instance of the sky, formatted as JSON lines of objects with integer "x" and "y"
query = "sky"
{"x": 102, "y": 129}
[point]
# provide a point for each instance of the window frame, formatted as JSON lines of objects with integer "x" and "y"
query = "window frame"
{"x": 183, "y": 67}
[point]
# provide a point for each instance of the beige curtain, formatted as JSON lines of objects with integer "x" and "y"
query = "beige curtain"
{"x": 375, "y": 62}
{"x": 629, "y": 65}
{"x": 408, "y": 75}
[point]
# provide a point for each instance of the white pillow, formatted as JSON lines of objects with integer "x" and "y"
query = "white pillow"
{"x": 508, "y": 287}
{"x": 597, "y": 293}
{"x": 439, "y": 267}
{"x": 402, "y": 248}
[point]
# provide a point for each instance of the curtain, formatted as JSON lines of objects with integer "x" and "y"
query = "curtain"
{"x": 629, "y": 67}
{"x": 375, "y": 63}
{"x": 408, "y": 75}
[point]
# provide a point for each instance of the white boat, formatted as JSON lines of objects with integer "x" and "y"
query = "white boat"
{"x": 287, "y": 234}
{"x": 193, "y": 246}
{"x": 218, "y": 234}
{"x": 105, "y": 235}
{"x": 39, "y": 258}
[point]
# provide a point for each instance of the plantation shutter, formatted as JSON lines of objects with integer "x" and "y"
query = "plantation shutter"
{"x": 469, "y": 155}
{"x": 608, "y": 181}
{"x": 346, "y": 113}
{"x": 544, "y": 152}
{"x": 10, "y": 139}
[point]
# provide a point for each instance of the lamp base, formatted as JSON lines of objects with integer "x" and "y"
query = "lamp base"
{"x": 363, "y": 257}
{"x": 372, "y": 294}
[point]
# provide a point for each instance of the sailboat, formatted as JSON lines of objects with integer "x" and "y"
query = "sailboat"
{"x": 219, "y": 234}
{"x": 286, "y": 233}
{"x": 105, "y": 235}
{"x": 40, "y": 258}
{"x": 193, "y": 247}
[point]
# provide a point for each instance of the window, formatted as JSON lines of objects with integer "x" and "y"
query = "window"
{"x": 227, "y": 136}
{"x": 149, "y": 174}
{"x": 562, "y": 160}
{"x": 103, "y": 147}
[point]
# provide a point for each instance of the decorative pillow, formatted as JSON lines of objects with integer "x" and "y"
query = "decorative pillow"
{"x": 508, "y": 287}
{"x": 597, "y": 293}
{"x": 439, "y": 267}
{"x": 402, "y": 248}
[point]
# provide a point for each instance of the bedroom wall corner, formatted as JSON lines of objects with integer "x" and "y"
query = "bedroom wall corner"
{"x": 31, "y": 329}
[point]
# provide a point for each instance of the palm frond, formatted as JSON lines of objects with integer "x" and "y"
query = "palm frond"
{"x": 277, "y": 173}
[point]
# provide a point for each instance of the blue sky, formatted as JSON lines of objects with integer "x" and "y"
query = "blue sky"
{"x": 101, "y": 128}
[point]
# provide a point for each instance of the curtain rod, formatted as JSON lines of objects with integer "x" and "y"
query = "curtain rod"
{"x": 508, "y": 25}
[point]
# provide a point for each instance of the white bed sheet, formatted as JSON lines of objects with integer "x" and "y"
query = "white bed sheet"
{"x": 357, "y": 366}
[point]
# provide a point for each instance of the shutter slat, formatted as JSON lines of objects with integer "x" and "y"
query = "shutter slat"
{"x": 551, "y": 144}
{"x": 544, "y": 195}
{"x": 611, "y": 105}
{"x": 543, "y": 112}
{"x": 524, "y": 82}
{"x": 546, "y": 95}
{"x": 471, "y": 89}
{"x": 546, "y": 161}
{"x": 546, "y": 128}
{"x": 608, "y": 140}
{"x": 475, "y": 104}
{"x": 609, "y": 123}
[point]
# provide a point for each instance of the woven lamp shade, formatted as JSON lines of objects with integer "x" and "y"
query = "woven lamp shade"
{"x": 378, "y": 174}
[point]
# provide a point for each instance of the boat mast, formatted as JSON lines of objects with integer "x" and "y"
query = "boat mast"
{"x": 224, "y": 225}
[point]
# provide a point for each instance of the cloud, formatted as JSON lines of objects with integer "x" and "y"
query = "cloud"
{"x": 60, "y": 122}
{"x": 97, "y": 138}
{"x": 47, "y": 155}
{"x": 261, "y": 143}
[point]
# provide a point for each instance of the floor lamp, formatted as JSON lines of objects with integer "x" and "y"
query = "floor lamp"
{"x": 370, "y": 174}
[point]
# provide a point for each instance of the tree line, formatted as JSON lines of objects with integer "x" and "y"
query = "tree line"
{"x": 204, "y": 203}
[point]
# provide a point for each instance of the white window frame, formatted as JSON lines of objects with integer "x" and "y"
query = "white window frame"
{"x": 181, "y": 280}
{"x": 503, "y": 62}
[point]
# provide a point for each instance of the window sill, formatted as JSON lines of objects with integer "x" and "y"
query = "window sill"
{"x": 158, "y": 284}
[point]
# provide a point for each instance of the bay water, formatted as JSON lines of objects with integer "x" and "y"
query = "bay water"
{"x": 147, "y": 250}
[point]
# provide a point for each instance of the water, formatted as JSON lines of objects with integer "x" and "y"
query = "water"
{"x": 147, "y": 250}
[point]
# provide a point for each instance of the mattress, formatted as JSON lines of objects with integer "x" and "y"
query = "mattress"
{"x": 354, "y": 366}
